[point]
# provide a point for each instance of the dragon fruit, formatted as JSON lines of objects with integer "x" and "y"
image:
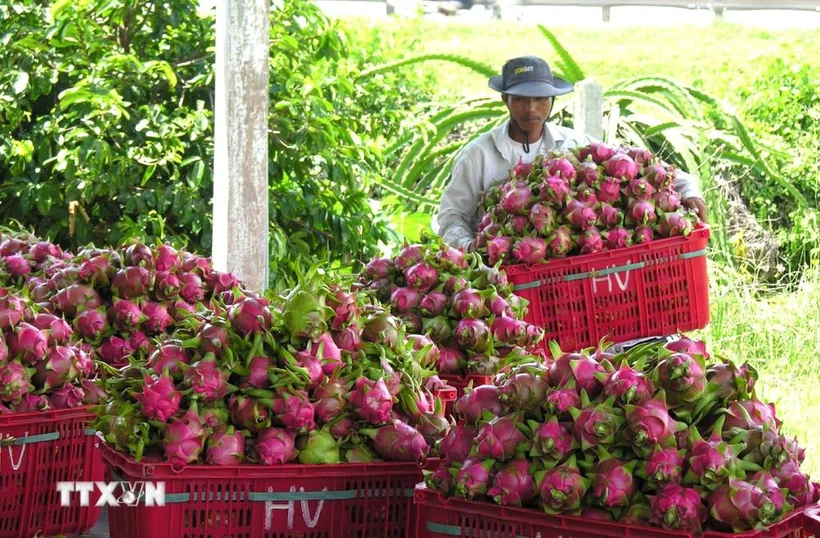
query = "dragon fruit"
{"x": 667, "y": 200}
{"x": 678, "y": 508}
{"x": 499, "y": 249}
{"x": 658, "y": 176}
{"x": 433, "y": 304}
{"x": 27, "y": 342}
{"x": 622, "y": 166}
{"x": 738, "y": 506}
{"x": 225, "y": 447}
{"x": 662, "y": 466}
{"x": 542, "y": 218}
{"x": 275, "y": 446}
{"x": 371, "y": 400}
{"x": 673, "y": 224}
{"x": 132, "y": 282}
{"x": 250, "y": 316}
{"x": 628, "y": 386}
{"x": 641, "y": 212}
{"x": 617, "y": 237}
{"x": 192, "y": 289}
{"x": 472, "y": 334}
{"x": 559, "y": 401}
{"x": 57, "y": 328}
{"x": 560, "y": 242}
{"x": 57, "y": 368}
{"x": 561, "y": 488}
{"x": 169, "y": 355}
{"x": 596, "y": 424}
{"x": 14, "y": 382}
{"x": 524, "y": 389}
{"x": 517, "y": 199}
{"x": 329, "y": 398}
{"x": 125, "y": 315}
{"x": 513, "y": 485}
{"x": 613, "y": 483}
{"x": 473, "y": 479}
{"x": 560, "y": 167}
{"x": 397, "y": 441}
{"x": 66, "y": 397}
{"x": 478, "y": 399}
{"x": 159, "y": 398}
{"x": 552, "y": 441}
{"x": 249, "y": 413}
{"x": 649, "y": 425}
{"x": 294, "y": 410}
{"x": 502, "y": 438}
{"x": 208, "y": 382}
{"x": 456, "y": 445}
{"x": 530, "y": 249}
{"x": 421, "y": 277}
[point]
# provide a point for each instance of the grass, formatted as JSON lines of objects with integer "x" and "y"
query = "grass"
{"x": 713, "y": 58}
{"x": 776, "y": 330}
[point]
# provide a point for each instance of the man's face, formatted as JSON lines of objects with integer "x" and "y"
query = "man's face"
{"x": 529, "y": 112}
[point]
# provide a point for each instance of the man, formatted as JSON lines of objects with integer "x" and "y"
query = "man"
{"x": 528, "y": 88}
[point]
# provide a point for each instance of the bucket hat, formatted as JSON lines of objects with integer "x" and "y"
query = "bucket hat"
{"x": 529, "y": 76}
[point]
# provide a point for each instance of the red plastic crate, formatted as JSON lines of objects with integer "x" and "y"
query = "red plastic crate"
{"x": 260, "y": 501}
{"x": 37, "y": 450}
{"x": 459, "y": 382}
{"x": 653, "y": 289}
{"x": 444, "y": 518}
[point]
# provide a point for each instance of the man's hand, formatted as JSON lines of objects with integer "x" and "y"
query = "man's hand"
{"x": 699, "y": 206}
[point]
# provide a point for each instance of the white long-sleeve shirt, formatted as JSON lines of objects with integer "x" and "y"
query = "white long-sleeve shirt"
{"x": 487, "y": 161}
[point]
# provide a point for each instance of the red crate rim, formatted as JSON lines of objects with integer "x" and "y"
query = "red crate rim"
{"x": 162, "y": 469}
{"x": 810, "y": 515}
{"x": 700, "y": 233}
{"x": 48, "y": 415}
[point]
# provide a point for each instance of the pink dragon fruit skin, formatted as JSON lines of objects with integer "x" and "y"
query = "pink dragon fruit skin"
{"x": 667, "y": 200}
{"x": 157, "y": 318}
{"x": 327, "y": 352}
{"x": 581, "y": 217}
{"x": 678, "y": 508}
{"x": 617, "y": 237}
{"x": 329, "y": 398}
{"x": 166, "y": 286}
{"x": 559, "y": 401}
{"x": 16, "y": 265}
{"x": 513, "y": 485}
{"x": 468, "y": 303}
{"x": 642, "y": 212}
{"x": 248, "y": 413}
{"x": 542, "y": 218}
{"x": 478, "y": 399}
{"x": 629, "y": 386}
{"x": 639, "y": 189}
{"x": 456, "y": 445}
{"x": 658, "y": 176}
{"x": 739, "y": 506}
{"x": 167, "y": 258}
{"x": 57, "y": 368}
{"x": 560, "y": 167}
{"x": 275, "y": 446}
{"x": 159, "y": 398}
{"x": 379, "y": 268}
{"x": 554, "y": 190}
{"x": 27, "y": 342}
{"x": 132, "y": 282}
{"x": 474, "y": 478}
{"x": 560, "y": 242}
{"x": 597, "y": 151}
{"x": 525, "y": 389}
{"x": 67, "y": 396}
{"x": 522, "y": 169}
{"x": 225, "y": 447}
{"x": 192, "y": 289}
{"x": 472, "y": 334}
{"x": 421, "y": 276}
{"x": 125, "y": 315}
{"x": 649, "y": 425}
{"x": 91, "y": 325}
{"x": 451, "y": 360}
{"x": 516, "y": 201}
{"x": 499, "y": 248}
{"x": 552, "y": 441}
{"x": 398, "y": 441}
{"x": 612, "y": 483}
{"x": 641, "y": 156}
{"x": 208, "y": 382}
{"x": 250, "y": 316}
{"x": 589, "y": 173}
{"x": 12, "y": 309}
{"x": 371, "y": 400}
{"x": 58, "y": 329}
{"x": 170, "y": 356}
{"x": 622, "y": 166}
{"x": 561, "y": 488}
{"x": 673, "y": 224}
{"x": 294, "y": 411}
{"x": 530, "y": 250}
{"x": 596, "y": 424}
{"x": 433, "y": 304}
{"x": 405, "y": 299}
{"x": 662, "y": 466}
{"x": 500, "y": 438}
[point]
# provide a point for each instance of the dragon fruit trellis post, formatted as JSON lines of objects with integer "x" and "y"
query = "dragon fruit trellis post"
{"x": 240, "y": 202}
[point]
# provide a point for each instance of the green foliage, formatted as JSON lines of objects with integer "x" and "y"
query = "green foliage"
{"x": 106, "y": 127}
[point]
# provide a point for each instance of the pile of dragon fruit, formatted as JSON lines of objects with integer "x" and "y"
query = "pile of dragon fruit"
{"x": 461, "y": 310}
{"x": 660, "y": 435}
{"x": 580, "y": 201}
{"x": 262, "y": 380}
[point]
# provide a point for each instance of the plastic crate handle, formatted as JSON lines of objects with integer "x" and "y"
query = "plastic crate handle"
{"x": 28, "y": 439}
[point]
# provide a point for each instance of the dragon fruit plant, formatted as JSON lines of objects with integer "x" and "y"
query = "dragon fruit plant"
{"x": 467, "y": 311}
{"x": 594, "y": 434}
{"x": 580, "y": 201}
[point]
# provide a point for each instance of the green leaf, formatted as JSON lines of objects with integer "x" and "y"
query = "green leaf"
{"x": 20, "y": 82}
{"x": 569, "y": 69}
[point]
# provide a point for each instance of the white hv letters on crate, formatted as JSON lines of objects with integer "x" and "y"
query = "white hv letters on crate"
{"x": 622, "y": 284}
{"x": 311, "y": 520}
